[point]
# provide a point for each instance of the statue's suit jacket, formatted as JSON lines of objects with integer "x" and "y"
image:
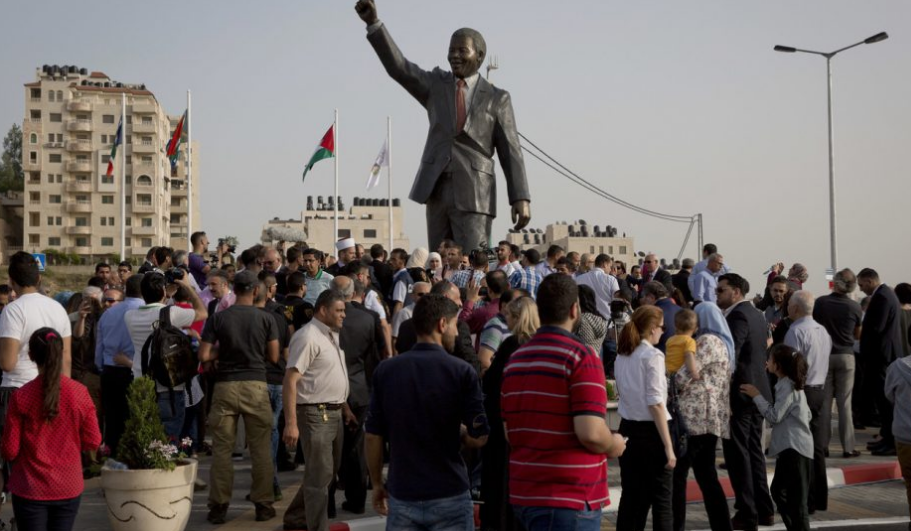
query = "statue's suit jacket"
{"x": 468, "y": 155}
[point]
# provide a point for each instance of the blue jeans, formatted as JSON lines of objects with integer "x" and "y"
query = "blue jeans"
{"x": 172, "y": 419}
{"x": 54, "y": 515}
{"x": 442, "y": 514}
{"x": 275, "y": 400}
{"x": 558, "y": 519}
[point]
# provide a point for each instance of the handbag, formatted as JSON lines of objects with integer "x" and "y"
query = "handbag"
{"x": 677, "y": 424}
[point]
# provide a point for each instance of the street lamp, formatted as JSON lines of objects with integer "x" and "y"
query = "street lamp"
{"x": 790, "y": 49}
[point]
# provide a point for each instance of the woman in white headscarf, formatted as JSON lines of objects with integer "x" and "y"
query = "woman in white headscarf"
{"x": 435, "y": 266}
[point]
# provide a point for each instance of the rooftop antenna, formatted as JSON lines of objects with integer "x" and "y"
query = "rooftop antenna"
{"x": 492, "y": 64}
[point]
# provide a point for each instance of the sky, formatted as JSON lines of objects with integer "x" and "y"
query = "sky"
{"x": 679, "y": 107}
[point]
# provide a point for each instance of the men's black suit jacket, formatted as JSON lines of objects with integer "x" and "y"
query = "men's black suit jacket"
{"x": 358, "y": 340}
{"x": 881, "y": 336}
{"x": 490, "y": 125}
{"x": 750, "y": 331}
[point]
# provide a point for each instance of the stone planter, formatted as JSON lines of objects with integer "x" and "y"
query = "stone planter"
{"x": 140, "y": 500}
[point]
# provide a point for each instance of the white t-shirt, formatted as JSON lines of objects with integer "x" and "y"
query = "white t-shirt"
{"x": 372, "y": 302}
{"x": 139, "y": 323}
{"x": 19, "y": 320}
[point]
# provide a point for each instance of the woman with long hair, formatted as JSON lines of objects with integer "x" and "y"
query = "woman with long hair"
{"x": 705, "y": 406}
{"x": 647, "y": 465}
{"x": 522, "y": 319}
{"x": 50, "y": 421}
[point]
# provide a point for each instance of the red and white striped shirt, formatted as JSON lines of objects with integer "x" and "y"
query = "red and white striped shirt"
{"x": 546, "y": 383}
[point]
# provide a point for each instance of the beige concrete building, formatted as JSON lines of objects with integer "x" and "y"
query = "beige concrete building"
{"x": 10, "y": 224}
{"x": 577, "y": 237}
{"x": 70, "y": 124}
{"x": 367, "y": 221}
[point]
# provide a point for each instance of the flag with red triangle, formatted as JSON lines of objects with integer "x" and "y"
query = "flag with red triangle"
{"x": 325, "y": 150}
{"x": 118, "y": 139}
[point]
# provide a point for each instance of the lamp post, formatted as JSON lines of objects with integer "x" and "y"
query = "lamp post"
{"x": 789, "y": 49}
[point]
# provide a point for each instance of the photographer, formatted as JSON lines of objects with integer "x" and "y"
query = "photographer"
{"x": 182, "y": 268}
{"x": 480, "y": 262}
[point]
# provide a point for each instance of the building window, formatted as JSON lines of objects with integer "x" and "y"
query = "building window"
{"x": 175, "y": 201}
{"x": 111, "y": 221}
{"x": 146, "y": 243}
{"x": 107, "y": 118}
{"x": 144, "y": 199}
{"x": 83, "y": 199}
{"x": 36, "y": 94}
{"x": 82, "y": 178}
{"x": 344, "y": 233}
{"x": 53, "y": 241}
{"x": 104, "y": 139}
{"x": 82, "y": 221}
{"x": 610, "y": 249}
{"x": 50, "y": 178}
{"x": 107, "y": 200}
{"x": 129, "y": 241}
{"x": 105, "y": 159}
{"x": 104, "y": 221}
{"x": 55, "y": 157}
{"x": 369, "y": 233}
{"x": 50, "y": 220}
{"x": 35, "y": 116}
{"x": 59, "y": 95}
{"x": 146, "y": 222}
{"x": 34, "y": 198}
{"x": 129, "y": 120}
{"x": 144, "y": 180}
{"x": 593, "y": 249}
{"x": 129, "y": 178}
{"x": 33, "y": 139}
{"x": 33, "y": 157}
{"x": 175, "y": 219}
{"x": 55, "y": 117}
{"x": 622, "y": 249}
{"x": 54, "y": 199}
{"x": 50, "y": 137}
{"x": 59, "y": 179}
{"x": 50, "y": 95}
{"x": 33, "y": 239}
{"x": 129, "y": 221}
{"x": 82, "y": 242}
{"x": 34, "y": 219}
{"x": 129, "y": 139}
{"x": 107, "y": 242}
{"x": 107, "y": 179}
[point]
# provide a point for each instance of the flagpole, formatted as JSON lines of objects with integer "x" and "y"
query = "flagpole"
{"x": 189, "y": 174}
{"x": 123, "y": 177}
{"x": 389, "y": 178}
{"x": 335, "y": 144}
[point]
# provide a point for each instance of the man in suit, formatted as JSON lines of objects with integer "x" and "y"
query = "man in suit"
{"x": 880, "y": 345}
{"x": 358, "y": 341}
{"x": 743, "y": 451}
{"x": 652, "y": 270}
{"x": 469, "y": 119}
{"x": 681, "y": 280}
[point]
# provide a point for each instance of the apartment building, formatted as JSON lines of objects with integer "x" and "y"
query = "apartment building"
{"x": 577, "y": 237}
{"x": 367, "y": 221}
{"x": 70, "y": 204}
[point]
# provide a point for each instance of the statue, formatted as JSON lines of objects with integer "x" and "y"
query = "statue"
{"x": 469, "y": 119}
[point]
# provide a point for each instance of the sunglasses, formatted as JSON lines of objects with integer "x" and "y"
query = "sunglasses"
{"x": 110, "y": 301}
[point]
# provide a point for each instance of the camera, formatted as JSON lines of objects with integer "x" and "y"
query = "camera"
{"x": 483, "y": 254}
{"x": 231, "y": 247}
{"x": 174, "y": 274}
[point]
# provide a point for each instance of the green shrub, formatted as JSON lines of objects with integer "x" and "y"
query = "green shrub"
{"x": 144, "y": 444}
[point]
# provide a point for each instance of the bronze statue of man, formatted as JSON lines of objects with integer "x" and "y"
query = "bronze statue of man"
{"x": 469, "y": 119}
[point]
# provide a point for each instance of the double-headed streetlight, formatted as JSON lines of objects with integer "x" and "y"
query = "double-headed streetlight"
{"x": 789, "y": 49}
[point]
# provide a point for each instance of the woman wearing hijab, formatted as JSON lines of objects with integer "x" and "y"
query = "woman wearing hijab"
{"x": 435, "y": 267}
{"x": 592, "y": 326}
{"x": 416, "y": 263}
{"x": 704, "y": 405}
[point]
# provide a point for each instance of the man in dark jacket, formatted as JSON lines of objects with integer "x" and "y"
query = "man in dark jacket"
{"x": 880, "y": 345}
{"x": 743, "y": 451}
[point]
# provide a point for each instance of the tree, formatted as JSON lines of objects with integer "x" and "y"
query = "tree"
{"x": 11, "y": 175}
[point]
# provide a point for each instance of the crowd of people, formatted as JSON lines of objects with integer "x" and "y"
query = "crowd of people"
{"x": 474, "y": 375}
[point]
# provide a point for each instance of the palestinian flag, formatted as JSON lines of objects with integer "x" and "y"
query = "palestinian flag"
{"x": 325, "y": 150}
{"x": 173, "y": 147}
{"x": 118, "y": 139}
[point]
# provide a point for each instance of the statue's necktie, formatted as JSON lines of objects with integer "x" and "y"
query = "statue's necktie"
{"x": 460, "y": 105}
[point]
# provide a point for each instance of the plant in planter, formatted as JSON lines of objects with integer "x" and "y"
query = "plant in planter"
{"x": 152, "y": 486}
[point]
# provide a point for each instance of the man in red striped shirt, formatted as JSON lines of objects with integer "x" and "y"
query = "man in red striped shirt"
{"x": 554, "y": 403}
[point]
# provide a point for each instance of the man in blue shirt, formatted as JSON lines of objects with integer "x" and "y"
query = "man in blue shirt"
{"x": 427, "y": 404}
{"x": 114, "y": 355}
{"x": 528, "y": 277}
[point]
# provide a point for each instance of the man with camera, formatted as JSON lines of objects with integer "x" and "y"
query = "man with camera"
{"x": 480, "y": 262}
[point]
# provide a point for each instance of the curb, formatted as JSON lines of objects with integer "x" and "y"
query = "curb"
{"x": 838, "y": 477}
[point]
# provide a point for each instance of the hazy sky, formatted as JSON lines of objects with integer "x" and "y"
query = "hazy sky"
{"x": 680, "y": 107}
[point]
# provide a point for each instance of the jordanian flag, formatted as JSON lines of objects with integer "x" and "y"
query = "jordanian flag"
{"x": 117, "y": 141}
{"x": 173, "y": 147}
{"x": 325, "y": 150}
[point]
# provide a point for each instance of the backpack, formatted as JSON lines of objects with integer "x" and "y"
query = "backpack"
{"x": 167, "y": 355}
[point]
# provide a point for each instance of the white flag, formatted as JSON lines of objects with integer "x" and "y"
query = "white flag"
{"x": 382, "y": 161}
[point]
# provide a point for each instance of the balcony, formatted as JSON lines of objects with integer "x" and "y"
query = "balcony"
{"x": 57, "y": 145}
{"x": 79, "y": 126}
{"x": 80, "y": 250}
{"x": 79, "y": 231}
{"x": 143, "y": 208}
{"x": 144, "y": 231}
{"x": 79, "y": 106}
{"x": 144, "y": 108}
{"x": 79, "y": 147}
{"x": 79, "y": 166}
{"x": 142, "y": 147}
{"x": 31, "y": 166}
{"x": 77, "y": 186}
{"x": 179, "y": 209}
{"x": 76, "y": 207}
{"x": 140, "y": 127}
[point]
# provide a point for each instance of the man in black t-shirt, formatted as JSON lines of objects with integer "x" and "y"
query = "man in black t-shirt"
{"x": 247, "y": 340}
{"x": 297, "y": 311}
